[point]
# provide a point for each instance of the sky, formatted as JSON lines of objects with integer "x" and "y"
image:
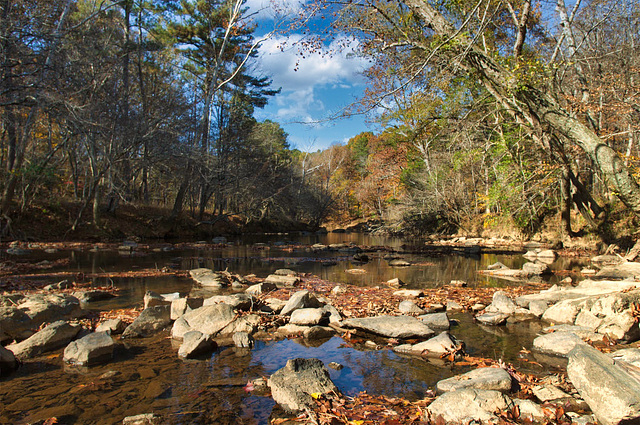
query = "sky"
{"x": 314, "y": 88}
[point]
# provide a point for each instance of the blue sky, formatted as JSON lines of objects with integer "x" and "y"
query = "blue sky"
{"x": 314, "y": 88}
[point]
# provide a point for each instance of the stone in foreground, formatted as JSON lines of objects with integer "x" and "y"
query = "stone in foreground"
{"x": 195, "y": 343}
{"x": 468, "y": 405}
{"x": 89, "y": 350}
{"x": 612, "y": 394}
{"x": 292, "y": 386}
{"x": 391, "y": 326}
{"x": 150, "y": 321}
{"x": 484, "y": 378}
{"x": 54, "y": 336}
{"x": 557, "y": 343}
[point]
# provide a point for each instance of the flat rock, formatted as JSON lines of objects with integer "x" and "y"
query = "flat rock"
{"x": 56, "y": 335}
{"x": 436, "y": 320}
{"x": 93, "y": 295}
{"x": 484, "y": 378}
{"x": 399, "y": 263}
{"x": 95, "y": 348}
{"x": 468, "y": 405}
{"x": 529, "y": 410}
{"x": 409, "y": 293}
{"x": 391, "y": 326}
{"x": 209, "y": 320}
{"x": 441, "y": 344}
{"x": 612, "y": 394}
{"x": 557, "y": 343}
{"x": 143, "y": 419}
{"x": 282, "y": 281}
{"x": 292, "y": 385}
{"x": 207, "y": 277}
{"x": 546, "y": 393}
{"x": 318, "y": 332}
{"x": 242, "y": 302}
{"x": 563, "y": 312}
{"x": 582, "y": 332}
{"x": 43, "y": 308}
{"x": 150, "y": 321}
{"x": 627, "y": 355}
{"x": 621, "y": 271}
{"x": 308, "y": 316}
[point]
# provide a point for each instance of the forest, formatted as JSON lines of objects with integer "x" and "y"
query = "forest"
{"x": 508, "y": 117}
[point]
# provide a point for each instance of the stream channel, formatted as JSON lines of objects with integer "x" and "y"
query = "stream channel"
{"x": 147, "y": 376}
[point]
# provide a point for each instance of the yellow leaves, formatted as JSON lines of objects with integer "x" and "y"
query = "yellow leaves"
{"x": 358, "y": 422}
{"x": 316, "y": 395}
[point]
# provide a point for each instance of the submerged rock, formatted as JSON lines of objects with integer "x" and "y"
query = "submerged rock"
{"x": 89, "y": 350}
{"x": 292, "y": 386}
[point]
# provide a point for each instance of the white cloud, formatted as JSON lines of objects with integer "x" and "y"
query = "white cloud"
{"x": 301, "y": 73}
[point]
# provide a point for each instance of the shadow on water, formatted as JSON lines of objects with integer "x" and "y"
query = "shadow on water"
{"x": 147, "y": 375}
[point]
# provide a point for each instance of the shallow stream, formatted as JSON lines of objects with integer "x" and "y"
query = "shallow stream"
{"x": 147, "y": 375}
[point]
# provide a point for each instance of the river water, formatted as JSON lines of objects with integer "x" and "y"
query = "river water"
{"x": 147, "y": 376}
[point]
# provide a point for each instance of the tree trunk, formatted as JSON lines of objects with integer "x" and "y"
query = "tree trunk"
{"x": 541, "y": 111}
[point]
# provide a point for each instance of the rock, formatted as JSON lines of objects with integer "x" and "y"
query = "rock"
{"x": 536, "y": 269}
{"x": 333, "y": 313}
{"x": 395, "y": 283}
{"x": 409, "y": 307}
{"x": 627, "y": 355}
{"x": 339, "y": 290}
{"x": 282, "y": 281}
{"x": 361, "y": 258}
{"x": 95, "y": 348}
{"x": 150, "y": 321}
{"x": 557, "y": 343}
{"x": 307, "y": 316}
{"x": 391, "y": 326}
{"x": 409, "y": 293}
{"x": 291, "y": 329}
{"x": 399, "y": 263}
{"x": 209, "y": 320}
{"x": 195, "y": 343}
{"x": 529, "y": 411}
{"x": 436, "y": 320}
{"x": 8, "y": 361}
{"x": 581, "y": 331}
{"x": 318, "y": 332}
{"x": 621, "y": 271}
{"x": 547, "y": 253}
{"x": 93, "y": 295}
{"x": 179, "y": 328}
{"x": 260, "y": 288}
{"x": 301, "y": 299}
{"x": 607, "y": 260}
{"x": 501, "y": 303}
{"x": 468, "y": 405}
{"x": 588, "y": 320}
{"x": 207, "y": 277}
{"x": 612, "y": 394}
{"x": 454, "y": 306}
{"x": 285, "y": 272}
{"x": 493, "y": 319}
{"x": 43, "y": 308}
{"x": 181, "y": 306}
{"x": 143, "y": 419}
{"x": 484, "y": 378}
{"x": 112, "y": 326}
{"x": 546, "y": 393}
{"x": 478, "y": 307}
{"x": 562, "y": 312}
{"x": 247, "y": 324}
{"x": 441, "y": 344}
{"x": 537, "y": 308}
{"x": 152, "y": 299}
{"x": 292, "y": 385}
{"x": 243, "y": 340}
{"x": 622, "y": 326}
{"x": 53, "y": 336}
{"x": 242, "y": 302}
{"x": 497, "y": 266}
{"x": 335, "y": 366}
{"x": 63, "y": 284}
{"x": 15, "y": 324}
{"x": 274, "y": 304}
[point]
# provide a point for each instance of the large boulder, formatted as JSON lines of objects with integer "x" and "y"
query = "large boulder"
{"x": 501, "y": 303}
{"x": 612, "y": 394}
{"x": 43, "y": 308}
{"x": 564, "y": 311}
{"x": 150, "y": 321}
{"x": 292, "y": 386}
{"x": 468, "y": 405}
{"x": 54, "y": 336}
{"x": 15, "y": 324}
{"x": 89, "y": 350}
{"x": 301, "y": 299}
{"x": 391, "y": 326}
{"x": 484, "y": 378}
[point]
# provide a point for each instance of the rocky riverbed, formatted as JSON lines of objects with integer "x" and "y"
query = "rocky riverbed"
{"x": 415, "y": 323}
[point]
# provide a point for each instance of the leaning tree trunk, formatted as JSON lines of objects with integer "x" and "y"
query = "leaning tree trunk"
{"x": 542, "y": 112}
